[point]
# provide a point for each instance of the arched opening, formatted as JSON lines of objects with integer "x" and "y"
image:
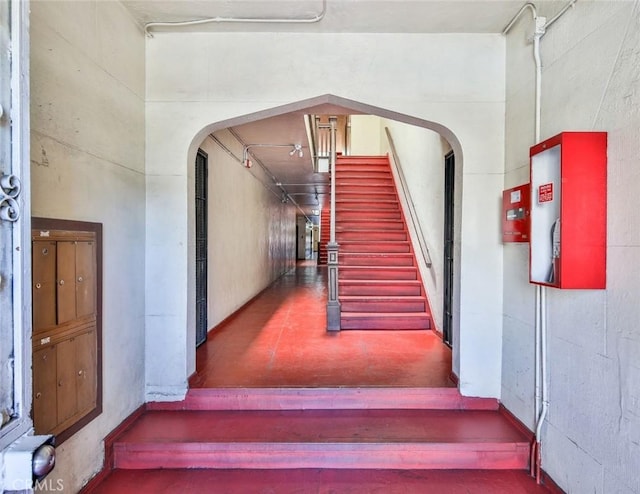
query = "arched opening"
{"x": 328, "y": 104}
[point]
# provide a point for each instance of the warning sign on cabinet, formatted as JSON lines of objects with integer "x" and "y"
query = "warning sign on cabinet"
{"x": 545, "y": 193}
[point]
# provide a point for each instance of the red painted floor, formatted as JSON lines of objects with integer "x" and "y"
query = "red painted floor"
{"x": 279, "y": 347}
{"x": 280, "y": 339}
{"x": 316, "y": 481}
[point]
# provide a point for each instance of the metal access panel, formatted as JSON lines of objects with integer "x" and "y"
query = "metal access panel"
{"x": 516, "y": 205}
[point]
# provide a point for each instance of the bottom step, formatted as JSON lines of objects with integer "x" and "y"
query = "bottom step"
{"x": 318, "y": 480}
{"x": 364, "y": 439}
{"x": 392, "y": 321}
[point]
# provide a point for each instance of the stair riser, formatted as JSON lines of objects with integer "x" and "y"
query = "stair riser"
{"x": 377, "y": 274}
{"x": 345, "y": 215}
{"x": 365, "y": 205}
{"x": 378, "y": 291}
{"x": 372, "y": 197}
{"x": 358, "y": 188}
{"x": 347, "y": 259}
{"x": 402, "y": 456}
{"x": 366, "y": 160}
{"x": 379, "y": 306}
{"x": 387, "y": 323}
{"x": 363, "y": 168}
{"x": 369, "y": 225}
{"x": 390, "y": 247}
{"x": 323, "y": 398}
{"x": 372, "y": 236}
{"x": 377, "y": 179}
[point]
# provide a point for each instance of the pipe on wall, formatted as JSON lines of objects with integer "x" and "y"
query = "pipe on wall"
{"x": 246, "y": 20}
{"x": 541, "y": 388}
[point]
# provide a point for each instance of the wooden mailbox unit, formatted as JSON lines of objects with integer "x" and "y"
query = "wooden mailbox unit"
{"x": 67, "y": 325}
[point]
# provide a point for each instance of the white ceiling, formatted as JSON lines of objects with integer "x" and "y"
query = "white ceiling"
{"x": 384, "y": 16}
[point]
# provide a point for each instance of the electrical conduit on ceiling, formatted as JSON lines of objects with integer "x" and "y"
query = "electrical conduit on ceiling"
{"x": 541, "y": 388}
{"x": 284, "y": 194}
{"x": 247, "y": 20}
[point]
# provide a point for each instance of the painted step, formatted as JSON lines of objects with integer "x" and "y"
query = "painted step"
{"x": 369, "y": 439}
{"x": 326, "y": 398}
{"x": 346, "y": 214}
{"x": 372, "y": 259}
{"x": 378, "y": 273}
{"x": 369, "y": 180}
{"x": 379, "y": 246}
{"x": 383, "y": 304}
{"x": 372, "y": 235}
{"x": 367, "y": 224}
{"x": 391, "y": 321}
{"x": 356, "y": 186}
{"x": 379, "y": 288}
{"x": 181, "y": 481}
{"x": 371, "y": 197}
{"x": 364, "y": 159}
{"x": 366, "y": 205}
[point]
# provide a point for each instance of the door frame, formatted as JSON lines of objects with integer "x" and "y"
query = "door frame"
{"x": 201, "y": 205}
{"x": 449, "y": 246}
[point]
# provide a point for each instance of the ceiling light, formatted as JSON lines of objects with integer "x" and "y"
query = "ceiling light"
{"x": 297, "y": 148}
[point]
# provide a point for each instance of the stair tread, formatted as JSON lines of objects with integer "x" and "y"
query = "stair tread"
{"x": 391, "y": 298}
{"x": 378, "y": 254}
{"x": 384, "y": 315}
{"x": 368, "y": 230}
{"x": 260, "y": 480}
{"x": 368, "y": 242}
{"x": 378, "y": 267}
{"x": 323, "y": 426}
{"x": 380, "y": 282}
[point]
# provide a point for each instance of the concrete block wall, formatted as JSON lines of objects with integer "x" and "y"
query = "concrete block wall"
{"x": 87, "y": 164}
{"x": 591, "y": 60}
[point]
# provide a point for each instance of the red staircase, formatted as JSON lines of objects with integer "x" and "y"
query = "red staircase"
{"x": 325, "y": 233}
{"x": 379, "y": 282}
{"x": 319, "y": 428}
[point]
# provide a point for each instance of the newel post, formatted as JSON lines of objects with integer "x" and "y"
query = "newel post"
{"x": 333, "y": 305}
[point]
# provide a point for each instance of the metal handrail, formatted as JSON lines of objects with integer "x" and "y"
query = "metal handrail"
{"x": 424, "y": 248}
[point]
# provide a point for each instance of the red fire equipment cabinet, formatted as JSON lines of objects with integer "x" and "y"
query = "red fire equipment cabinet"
{"x": 569, "y": 211}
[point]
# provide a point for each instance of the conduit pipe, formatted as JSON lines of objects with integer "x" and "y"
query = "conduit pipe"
{"x": 247, "y": 20}
{"x": 266, "y": 170}
{"x": 541, "y": 389}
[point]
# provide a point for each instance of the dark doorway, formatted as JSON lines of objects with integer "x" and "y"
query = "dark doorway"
{"x": 201, "y": 247}
{"x": 449, "y": 180}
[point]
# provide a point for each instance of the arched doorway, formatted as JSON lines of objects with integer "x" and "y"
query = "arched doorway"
{"x": 487, "y": 383}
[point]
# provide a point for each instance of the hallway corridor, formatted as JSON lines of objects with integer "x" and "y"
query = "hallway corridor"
{"x": 280, "y": 339}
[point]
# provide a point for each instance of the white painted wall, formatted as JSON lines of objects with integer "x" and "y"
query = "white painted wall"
{"x": 251, "y": 233}
{"x": 197, "y": 80}
{"x": 366, "y": 139}
{"x": 421, "y": 153}
{"x": 591, "y": 440}
{"x": 87, "y": 120}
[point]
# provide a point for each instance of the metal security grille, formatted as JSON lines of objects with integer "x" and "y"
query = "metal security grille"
{"x": 449, "y": 179}
{"x": 201, "y": 248}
